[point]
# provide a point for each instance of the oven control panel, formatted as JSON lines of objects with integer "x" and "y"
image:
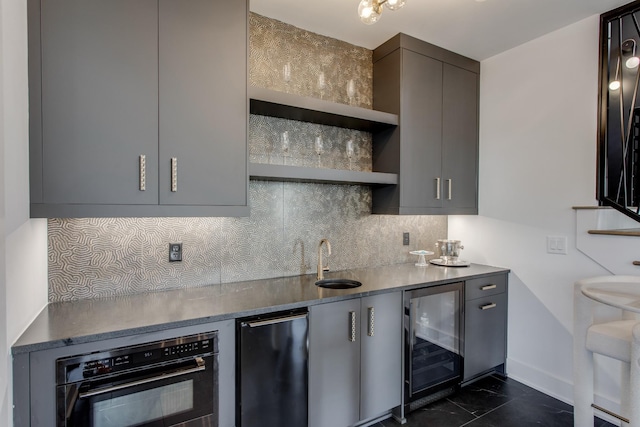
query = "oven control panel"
{"x": 78, "y": 368}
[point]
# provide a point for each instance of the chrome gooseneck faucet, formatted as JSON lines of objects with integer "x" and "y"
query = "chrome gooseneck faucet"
{"x": 321, "y": 268}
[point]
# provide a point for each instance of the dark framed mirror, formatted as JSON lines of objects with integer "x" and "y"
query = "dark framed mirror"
{"x": 618, "y": 183}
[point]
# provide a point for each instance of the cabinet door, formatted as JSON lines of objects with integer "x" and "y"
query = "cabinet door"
{"x": 485, "y": 334}
{"x": 381, "y": 354}
{"x": 334, "y": 364}
{"x": 421, "y": 131}
{"x": 39, "y": 380}
{"x": 460, "y": 140}
{"x": 99, "y": 101}
{"x": 203, "y": 102}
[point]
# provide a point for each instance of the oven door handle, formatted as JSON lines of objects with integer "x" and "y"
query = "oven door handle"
{"x": 200, "y": 367}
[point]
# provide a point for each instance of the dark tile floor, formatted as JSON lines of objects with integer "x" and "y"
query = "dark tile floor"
{"x": 493, "y": 402}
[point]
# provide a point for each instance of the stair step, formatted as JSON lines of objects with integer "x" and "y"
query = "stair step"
{"x": 618, "y": 232}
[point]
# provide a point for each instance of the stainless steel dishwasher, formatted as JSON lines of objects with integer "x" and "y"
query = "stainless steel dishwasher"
{"x": 272, "y": 370}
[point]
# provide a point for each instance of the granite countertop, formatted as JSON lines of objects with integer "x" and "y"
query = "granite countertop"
{"x": 76, "y": 322}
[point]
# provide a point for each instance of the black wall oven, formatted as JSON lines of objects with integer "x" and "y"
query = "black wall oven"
{"x": 433, "y": 327}
{"x": 165, "y": 383}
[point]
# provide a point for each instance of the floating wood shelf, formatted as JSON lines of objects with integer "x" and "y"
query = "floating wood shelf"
{"x": 272, "y": 103}
{"x": 327, "y": 176}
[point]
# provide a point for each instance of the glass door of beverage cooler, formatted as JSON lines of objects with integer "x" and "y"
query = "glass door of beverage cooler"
{"x": 433, "y": 328}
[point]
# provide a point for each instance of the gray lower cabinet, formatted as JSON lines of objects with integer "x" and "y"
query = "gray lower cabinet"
{"x": 34, "y": 374}
{"x": 355, "y": 356}
{"x": 138, "y": 108}
{"x": 334, "y": 364}
{"x": 434, "y": 150}
{"x": 485, "y": 336}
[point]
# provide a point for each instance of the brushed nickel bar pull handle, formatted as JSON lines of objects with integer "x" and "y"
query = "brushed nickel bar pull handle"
{"x": 371, "y": 321}
{"x": 636, "y": 263}
{"x": 449, "y": 181}
{"x": 174, "y": 174}
{"x": 438, "y": 188}
{"x": 352, "y": 324}
{"x": 488, "y": 287}
{"x": 143, "y": 172}
{"x": 488, "y": 306}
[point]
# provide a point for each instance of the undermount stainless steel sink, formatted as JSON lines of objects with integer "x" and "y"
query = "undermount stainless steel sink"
{"x": 338, "y": 283}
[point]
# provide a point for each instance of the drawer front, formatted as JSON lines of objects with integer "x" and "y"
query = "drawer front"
{"x": 485, "y": 334}
{"x": 485, "y": 286}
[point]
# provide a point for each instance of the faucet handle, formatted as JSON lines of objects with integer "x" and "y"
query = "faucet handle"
{"x": 325, "y": 268}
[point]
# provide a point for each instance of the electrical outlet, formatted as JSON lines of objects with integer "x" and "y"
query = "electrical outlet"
{"x": 557, "y": 245}
{"x": 405, "y": 238}
{"x": 175, "y": 252}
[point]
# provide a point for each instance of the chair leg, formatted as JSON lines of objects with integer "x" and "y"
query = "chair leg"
{"x": 582, "y": 388}
{"x": 582, "y": 362}
{"x": 625, "y": 398}
{"x": 634, "y": 380}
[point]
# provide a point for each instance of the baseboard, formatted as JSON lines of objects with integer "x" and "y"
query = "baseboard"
{"x": 556, "y": 387}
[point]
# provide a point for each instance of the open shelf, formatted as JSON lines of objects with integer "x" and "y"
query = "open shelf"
{"x": 283, "y": 105}
{"x": 266, "y": 102}
{"x": 327, "y": 176}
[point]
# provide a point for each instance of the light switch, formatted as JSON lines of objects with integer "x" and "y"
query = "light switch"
{"x": 557, "y": 245}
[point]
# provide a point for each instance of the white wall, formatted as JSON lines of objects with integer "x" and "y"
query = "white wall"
{"x": 537, "y": 159}
{"x": 4, "y": 359}
{"x": 23, "y": 268}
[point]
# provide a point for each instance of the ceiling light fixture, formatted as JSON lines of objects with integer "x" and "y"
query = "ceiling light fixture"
{"x": 370, "y": 10}
{"x": 629, "y": 45}
{"x": 615, "y": 83}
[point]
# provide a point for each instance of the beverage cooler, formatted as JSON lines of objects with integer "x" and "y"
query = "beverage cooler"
{"x": 433, "y": 343}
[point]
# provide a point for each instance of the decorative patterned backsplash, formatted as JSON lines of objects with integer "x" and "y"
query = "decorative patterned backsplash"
{"x": 92, "y": 258}
{"x": 267, "y": 138}
{"x": 311, "y": 57}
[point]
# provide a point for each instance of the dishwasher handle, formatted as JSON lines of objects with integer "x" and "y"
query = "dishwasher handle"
{"x": 275, "y": 320}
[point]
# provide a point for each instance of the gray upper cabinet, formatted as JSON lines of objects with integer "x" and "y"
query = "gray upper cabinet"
{"x": 434, "y": 150}
{"x": 460, "y": 140}
{"x": 99, "y": 101}
{"x": 138, "y": 108}
{"x": 203, "y": 102}
{"x": 355, "y": 370}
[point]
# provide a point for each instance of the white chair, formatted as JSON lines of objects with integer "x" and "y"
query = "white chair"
{"x": 619, "y": 339}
